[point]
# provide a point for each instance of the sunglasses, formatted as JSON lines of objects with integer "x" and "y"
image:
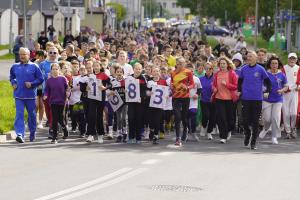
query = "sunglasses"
{"x": 52, "y": 52}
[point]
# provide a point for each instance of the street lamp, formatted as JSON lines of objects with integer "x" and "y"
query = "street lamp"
{"x": 256, "y": 24}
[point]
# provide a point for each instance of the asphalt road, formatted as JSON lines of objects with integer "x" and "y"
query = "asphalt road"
{"x": 207, "y": 170}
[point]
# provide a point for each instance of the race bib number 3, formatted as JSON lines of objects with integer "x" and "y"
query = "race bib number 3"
{"x": 94, "y": 92}
{"x": 132, "y": 87}
{"x": 159, "y": 96}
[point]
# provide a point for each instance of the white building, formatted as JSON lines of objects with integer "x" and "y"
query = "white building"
{"x": 5, "y": 23}
{"x": 175, "y": 10}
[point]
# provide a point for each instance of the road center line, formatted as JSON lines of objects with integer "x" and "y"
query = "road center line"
{"x": 85, "y": 185}
{"x": 150, "y": 162}
{"x": 104, "y": 185}
{"x": 166, "y": 153}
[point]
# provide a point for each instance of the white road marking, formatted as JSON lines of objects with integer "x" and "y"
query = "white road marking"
{"x": 166, "y": 153}
{"x": 104, "y": 185}
{"x": 85, "y": 185}
{"x": 150, "y": 162}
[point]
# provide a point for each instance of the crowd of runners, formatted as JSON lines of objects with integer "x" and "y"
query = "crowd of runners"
{"x": 140, "y": 85}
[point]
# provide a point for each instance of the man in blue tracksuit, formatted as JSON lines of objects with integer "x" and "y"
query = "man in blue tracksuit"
{"x": 25, "y": 76}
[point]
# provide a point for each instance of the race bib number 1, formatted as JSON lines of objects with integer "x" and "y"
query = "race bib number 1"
{"x": 132, "y": 87}
{"x": 159, "y": 96}
{"x": 94, "y": 92}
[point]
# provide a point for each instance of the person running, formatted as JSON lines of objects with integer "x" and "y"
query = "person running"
{"x": 56, "y": 92}
{"x": 207, "y": 106}
{"x": 155, "y": 114}
{"x": 250, "y": 84}
{"x": 225, "y": 94}
{"x": 181, "y": 84}
{"x": 271, "y": 106}
{"x": 25, "y": 76}
{"x": 290, "y": 98}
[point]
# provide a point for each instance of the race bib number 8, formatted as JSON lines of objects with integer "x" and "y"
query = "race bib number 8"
{"x": 159, "y": 96}
{"x": 132, "y": 87}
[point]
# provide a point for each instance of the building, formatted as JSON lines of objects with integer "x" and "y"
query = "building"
{"x": 133, "y": 8}
{"x": 175, "y": 11}
{"x": 5, "y": 25}
{"x": 94, "y": 15}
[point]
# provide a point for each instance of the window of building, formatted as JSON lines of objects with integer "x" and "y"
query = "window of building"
{"x": 173, "y": 5}
{"x": 165, "y": 4}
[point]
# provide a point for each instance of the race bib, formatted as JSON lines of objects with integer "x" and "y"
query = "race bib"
{"x": 159, "y": 96}
{"x": 94, "y": 92}
{"x": 115, "y": 101}
{"x": 132, "y": 87}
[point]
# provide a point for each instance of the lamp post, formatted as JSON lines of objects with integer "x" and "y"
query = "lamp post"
{"x": 10, "y": 26}
{"x": 256, "y": 24}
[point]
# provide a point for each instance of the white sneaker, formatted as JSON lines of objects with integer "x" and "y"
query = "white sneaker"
{"x": 215, "y": 131}
{"x": 229, "y": 135}
{"x": 90, "y": 138}
{"x": 40, "y": 125}
{"x": 146, "y": 133}
{"x": 263, "y": 133}
{"x": 274, "y": 140}
{"x": 110, "y": 132}
{"x": 100, "y": 139}
{"x": 209, "y": 136}
{"x": 203, "y": 131}
{"x": 223, "y": 141}
{"x": 195, "y": 136}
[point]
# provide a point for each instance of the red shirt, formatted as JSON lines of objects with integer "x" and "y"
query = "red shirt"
{"x": 182, "y": 81}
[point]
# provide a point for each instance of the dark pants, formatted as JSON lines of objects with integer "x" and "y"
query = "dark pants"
{"x": 135, "y": 120}
{"x": 181, "y": 109}
{"x": 155, "y": 118}
{"x": 225, "y": 119}
{"x": 57, "y": 112}
{"x": 208, "y": 110}
{"x": 192, "y": 120}
{"x": 78, "y": 117}
{"x": 95, "y": 117}
{"x": 251, "y": 112}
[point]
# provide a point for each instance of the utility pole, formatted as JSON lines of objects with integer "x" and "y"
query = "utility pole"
{"x": 289, "y": 30}
{"x": 10, "y": 26}
{"x": 25, "y": 22}
{"x": 276, "y": 25}
{"x": 41, "y": 9}
{"x": 69, "y": 18}
{"x": 256, "y": 24}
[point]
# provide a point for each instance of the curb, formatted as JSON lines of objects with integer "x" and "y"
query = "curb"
{"x": 11, "y": 135}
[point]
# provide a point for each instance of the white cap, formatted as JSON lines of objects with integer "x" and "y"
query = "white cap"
{"x": 292, "y": 55}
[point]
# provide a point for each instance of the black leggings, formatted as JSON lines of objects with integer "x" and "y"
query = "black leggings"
{"x": 225, "y": 118}
{"x": 181, "y": 110}
{"x": 155, "y": 119}
{"x": 208, "y": 110}
{"x": 135, "y": 120}
{"x": 95, "y": 117}
{"x": 57, "y": 117}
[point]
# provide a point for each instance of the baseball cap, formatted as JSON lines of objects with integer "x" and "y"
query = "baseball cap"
{"x": 292, "y": 55}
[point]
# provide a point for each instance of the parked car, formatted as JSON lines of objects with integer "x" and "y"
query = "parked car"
{"x": 215, "y": 30}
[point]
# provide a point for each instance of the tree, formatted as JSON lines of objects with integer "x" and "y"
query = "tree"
{"x": 119, "y": 9}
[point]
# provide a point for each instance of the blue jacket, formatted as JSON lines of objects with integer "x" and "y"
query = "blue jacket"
{"x": 21, "y": 73}
{"x": 45, "y": 67}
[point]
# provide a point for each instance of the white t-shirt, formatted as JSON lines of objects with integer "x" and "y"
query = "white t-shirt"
{"x": 194, "y": 102}
{"x": 169, "y": 105}
{"x": 128, "y": 70}
{"x": 75, "y": 92}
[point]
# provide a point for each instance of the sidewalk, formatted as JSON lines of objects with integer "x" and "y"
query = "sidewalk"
{"x": 3, "y": 52}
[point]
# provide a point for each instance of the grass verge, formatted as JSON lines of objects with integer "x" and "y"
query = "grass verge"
{"x": 8, "y": 56}
{"x": 7, "y": 107}
{"x": 4, "y": 46}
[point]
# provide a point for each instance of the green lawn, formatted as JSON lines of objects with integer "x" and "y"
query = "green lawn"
{"x": 7, "y": 57}
{"x": 7, "y": 107}
{"x": 4, "y": 46}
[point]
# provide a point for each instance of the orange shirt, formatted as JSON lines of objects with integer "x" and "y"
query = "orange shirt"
{"x": 223, "y": 93}
{"x": 182, "y": 81}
